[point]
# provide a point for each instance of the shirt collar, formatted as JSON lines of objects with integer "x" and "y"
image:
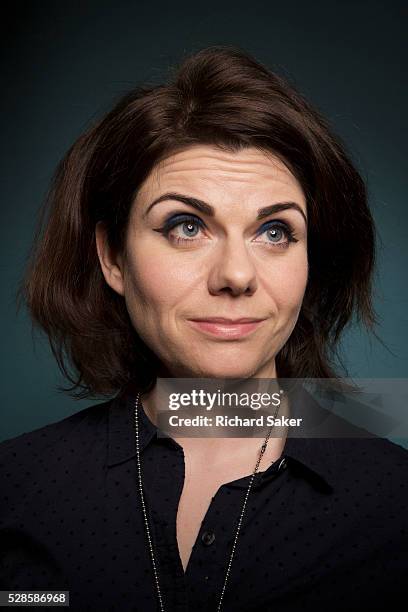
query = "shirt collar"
{"x": 121, "y": 428}
{"x": 314, "y": 457}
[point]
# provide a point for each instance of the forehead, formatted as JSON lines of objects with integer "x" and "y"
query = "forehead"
{"x": 211, "y": 171}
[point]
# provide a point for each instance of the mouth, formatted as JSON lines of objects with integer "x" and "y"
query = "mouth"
{"x": 228, "y": 329}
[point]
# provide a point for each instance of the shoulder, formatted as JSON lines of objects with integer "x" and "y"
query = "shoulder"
{"x": 371, "y": 479}
{"x": 39, "y": 439}
{"x": 32, "y": 457}
{"x": 372, "y": 455}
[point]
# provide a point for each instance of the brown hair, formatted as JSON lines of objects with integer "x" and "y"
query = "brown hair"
{"x": 223, "y": 97}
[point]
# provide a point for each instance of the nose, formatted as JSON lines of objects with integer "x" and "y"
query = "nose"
{"x": 233, "y": 271}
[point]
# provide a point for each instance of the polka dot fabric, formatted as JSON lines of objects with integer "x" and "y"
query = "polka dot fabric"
{"x": 325, "y": 528}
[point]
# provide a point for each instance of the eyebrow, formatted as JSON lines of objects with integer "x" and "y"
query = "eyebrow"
{"x": 210, "y": 211}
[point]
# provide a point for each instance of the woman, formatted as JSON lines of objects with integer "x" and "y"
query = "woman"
{"x": 217, "y": 197}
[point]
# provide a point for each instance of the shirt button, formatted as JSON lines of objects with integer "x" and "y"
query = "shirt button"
{"x": 283, "y": 464}
{"x": 208, "y": 538}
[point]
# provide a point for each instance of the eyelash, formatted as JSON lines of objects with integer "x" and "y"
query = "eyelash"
{"x": 177, "y": 220}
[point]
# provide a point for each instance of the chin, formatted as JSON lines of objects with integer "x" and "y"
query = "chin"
{"x": 219, "y": 361}
{"x": 224, "y": 370}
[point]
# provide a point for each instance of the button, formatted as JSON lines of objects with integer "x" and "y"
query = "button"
{"x": 208, "y": 538}
{"x": 283, "y": 464}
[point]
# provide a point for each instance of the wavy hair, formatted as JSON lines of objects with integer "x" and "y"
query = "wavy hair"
{"x": 219, "y": 96}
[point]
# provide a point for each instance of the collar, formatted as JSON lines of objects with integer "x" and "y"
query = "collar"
{"x": 313, "y": 457}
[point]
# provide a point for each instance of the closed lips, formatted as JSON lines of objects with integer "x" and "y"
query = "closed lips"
{"x": 227, "y": 321}
{"x": 227, "y": 329}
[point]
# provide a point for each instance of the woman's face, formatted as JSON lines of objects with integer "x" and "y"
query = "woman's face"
{"x": 185, "y": 263}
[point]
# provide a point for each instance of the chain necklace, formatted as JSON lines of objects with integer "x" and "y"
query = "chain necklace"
{"x": 263, "y": 448}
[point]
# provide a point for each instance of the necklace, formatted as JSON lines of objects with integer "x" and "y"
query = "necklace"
{"x": 139, "y": 472}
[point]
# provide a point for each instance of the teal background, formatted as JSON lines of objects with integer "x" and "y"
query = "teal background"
{"x": 63, "y": 65}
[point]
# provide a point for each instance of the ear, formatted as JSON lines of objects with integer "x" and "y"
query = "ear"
{"x": 111, "y": 264}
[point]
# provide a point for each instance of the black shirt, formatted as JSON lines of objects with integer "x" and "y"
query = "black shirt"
{"x": 324, "y": 527}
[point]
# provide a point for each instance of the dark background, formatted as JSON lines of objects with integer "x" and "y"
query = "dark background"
{"x": 65, "y": 63}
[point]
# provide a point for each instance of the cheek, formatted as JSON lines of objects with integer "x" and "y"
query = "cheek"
{"x": 286, "y": 283}
{"x": 159, "y": 283}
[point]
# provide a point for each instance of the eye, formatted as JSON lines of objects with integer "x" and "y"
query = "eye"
{"x": 181, "y": 228}
{"x": 184, "y": 228}
{"x": 274, "y": 232}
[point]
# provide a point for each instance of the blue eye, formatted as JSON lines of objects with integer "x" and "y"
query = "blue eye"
{"x": 275, "y": 230}
{"x": 190, "y": 226}
{"x": 275, "y": 233}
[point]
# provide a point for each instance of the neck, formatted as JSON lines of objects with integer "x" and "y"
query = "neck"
{"x": 213, "y": 449}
